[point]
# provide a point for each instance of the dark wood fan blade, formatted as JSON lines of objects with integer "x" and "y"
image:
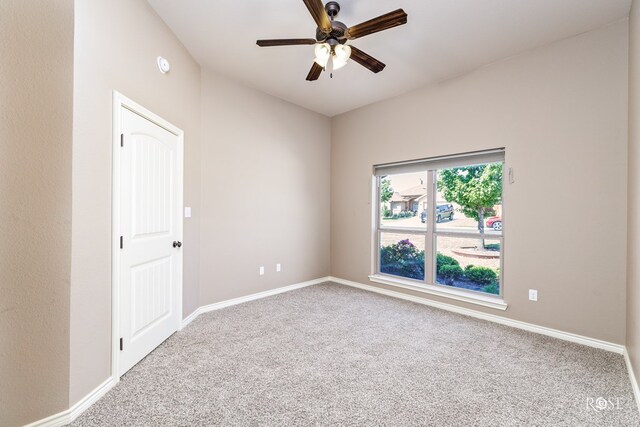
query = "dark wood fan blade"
{"x": 366, "y": 60}
{"x": 315, "y": 72}
{"x": 285, "y": 42}
{"x": 383, "y": 22}
{"x": 316, "y": 8}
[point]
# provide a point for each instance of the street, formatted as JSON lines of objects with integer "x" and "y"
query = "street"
{"x": 460, "y": 223}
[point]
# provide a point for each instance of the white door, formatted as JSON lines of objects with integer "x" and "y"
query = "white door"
{"x": 150, "y": 257}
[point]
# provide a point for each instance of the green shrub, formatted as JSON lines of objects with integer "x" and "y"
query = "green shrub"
{"x": 450, "y": 273}
{"x": 402, "y": 259}
{"x": 492, "y": 288}
{"x": 442, "y": 260}
{"x": 407, "y": 214}
{"x": 480, "y": 275}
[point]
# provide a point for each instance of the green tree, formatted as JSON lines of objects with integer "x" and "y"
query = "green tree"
{"x": 477, "y": 189}
{"x": 386, "y": 192}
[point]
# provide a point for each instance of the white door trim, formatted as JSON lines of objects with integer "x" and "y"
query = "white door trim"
{"x": 120, "y": 101}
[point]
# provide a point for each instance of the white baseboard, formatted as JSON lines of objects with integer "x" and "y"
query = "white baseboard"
{"x": 632, "y": 378}
{"x": 190, "y": 318}
{"x": 567, "y": 336}
{"x": 66, "y": 417}
{"x": 247, "y": 298}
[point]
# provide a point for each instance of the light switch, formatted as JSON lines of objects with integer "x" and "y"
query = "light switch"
{"x": 187, "y": 212}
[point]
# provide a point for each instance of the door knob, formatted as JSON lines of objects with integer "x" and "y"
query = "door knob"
{"x": 177, "y": 244}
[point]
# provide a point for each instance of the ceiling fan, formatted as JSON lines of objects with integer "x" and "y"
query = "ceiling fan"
{"x": 331, "y": 49}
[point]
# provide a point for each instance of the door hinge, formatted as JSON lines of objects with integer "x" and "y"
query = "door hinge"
{"x": 121, "y": 344}
{"x": 121, "y": 242}
{"x": 122, "y": 140}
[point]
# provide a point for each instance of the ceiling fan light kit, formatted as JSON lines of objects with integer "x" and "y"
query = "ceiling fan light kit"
{"x": 331, "y": 50}
{"x": 332, "y": 57}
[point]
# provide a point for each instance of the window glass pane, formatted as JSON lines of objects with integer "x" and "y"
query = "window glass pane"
{"x": 403, "y": 201}
{"x": 469, "y": 199}
{"x": 469, "y": 263}
{"x": 402, "y": 255}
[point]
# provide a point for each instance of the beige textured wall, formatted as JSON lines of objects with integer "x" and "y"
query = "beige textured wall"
{"x": 36, "y": 82}
{"x": 117, "y": 42}
{"x": 561, "y": 113}
{"x": 633, "y": 260}
{"x": 265, "y": 191}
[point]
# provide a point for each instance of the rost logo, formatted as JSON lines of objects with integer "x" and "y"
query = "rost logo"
{"x": 601, "y": 404}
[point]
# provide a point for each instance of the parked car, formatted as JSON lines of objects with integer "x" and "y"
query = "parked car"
{"x": 495, "y": 222}
{"x": 442, "y": 212}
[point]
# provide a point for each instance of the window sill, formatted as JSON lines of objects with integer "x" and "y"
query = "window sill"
{"x": 459, "y": 295}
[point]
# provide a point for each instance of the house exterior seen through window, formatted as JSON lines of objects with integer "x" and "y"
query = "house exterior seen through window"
{"x": 439, "y": 222}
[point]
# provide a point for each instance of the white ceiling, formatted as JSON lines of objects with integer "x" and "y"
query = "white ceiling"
{"x": 443, "y": 38}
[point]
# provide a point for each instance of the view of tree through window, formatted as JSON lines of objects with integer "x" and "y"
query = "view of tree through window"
{"x": 443, "y": 225}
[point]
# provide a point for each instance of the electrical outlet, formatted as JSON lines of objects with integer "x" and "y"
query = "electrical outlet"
{"x": 262, "y": 271}
{"x": 533, "y": 295}
{"x": 278, "y": 268}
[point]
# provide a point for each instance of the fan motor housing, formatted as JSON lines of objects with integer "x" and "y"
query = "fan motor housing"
{"x": 338, "y": 32}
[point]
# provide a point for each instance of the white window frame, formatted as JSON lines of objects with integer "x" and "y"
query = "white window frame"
{"x": 429, "y": 285}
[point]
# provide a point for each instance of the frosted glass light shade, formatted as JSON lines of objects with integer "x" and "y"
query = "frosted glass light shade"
{"x": 343, "y": 52}
{"x": 341, "y": 57}
{"x": 323, "y": 53}
{"x": 337, "y": 64}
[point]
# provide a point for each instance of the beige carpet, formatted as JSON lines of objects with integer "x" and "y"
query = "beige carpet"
{"x": 333, "y": 355}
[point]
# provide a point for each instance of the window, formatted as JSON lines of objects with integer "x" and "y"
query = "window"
{"x": 440, "y": 226}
